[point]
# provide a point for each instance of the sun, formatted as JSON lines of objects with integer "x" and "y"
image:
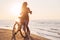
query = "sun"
{"x": 15, "y": 9}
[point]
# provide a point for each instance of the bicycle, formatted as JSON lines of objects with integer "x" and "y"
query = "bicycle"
{"x": 20, "y": 27}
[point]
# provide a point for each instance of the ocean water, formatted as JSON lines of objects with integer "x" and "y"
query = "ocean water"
{"x": 46, "y": 28}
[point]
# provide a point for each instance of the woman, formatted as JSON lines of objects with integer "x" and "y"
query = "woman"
{"x": 24, "y": 19}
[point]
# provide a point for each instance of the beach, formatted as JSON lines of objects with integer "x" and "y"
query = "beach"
{"x": 47, "y": 29}
{"x": 6, "y": 34}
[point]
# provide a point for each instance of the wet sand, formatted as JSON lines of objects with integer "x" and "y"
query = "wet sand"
{"x": 6, "y": 34}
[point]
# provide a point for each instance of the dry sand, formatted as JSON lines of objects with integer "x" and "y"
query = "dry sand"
{"x": 6, "y": 34}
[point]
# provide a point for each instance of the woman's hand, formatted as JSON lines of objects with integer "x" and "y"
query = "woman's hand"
{"x": 30, "y": 12}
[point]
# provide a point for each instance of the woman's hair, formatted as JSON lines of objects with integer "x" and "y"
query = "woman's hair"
{"x": 24, "y": 4}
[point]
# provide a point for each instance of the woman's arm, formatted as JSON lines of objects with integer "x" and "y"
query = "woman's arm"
{"x": 29, "y": 11}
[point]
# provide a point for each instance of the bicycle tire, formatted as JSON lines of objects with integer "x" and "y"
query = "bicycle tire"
{"x": 21, "y": 31}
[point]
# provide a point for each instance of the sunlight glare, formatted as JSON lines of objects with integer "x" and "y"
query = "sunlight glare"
{"x": 15, "y": 10}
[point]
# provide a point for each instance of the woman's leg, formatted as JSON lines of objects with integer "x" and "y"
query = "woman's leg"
{"x": 28, "y": 32}
{"x": 26, "y": 28}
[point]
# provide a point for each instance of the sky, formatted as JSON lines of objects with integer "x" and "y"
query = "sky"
{"x": 41, "y": 9}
